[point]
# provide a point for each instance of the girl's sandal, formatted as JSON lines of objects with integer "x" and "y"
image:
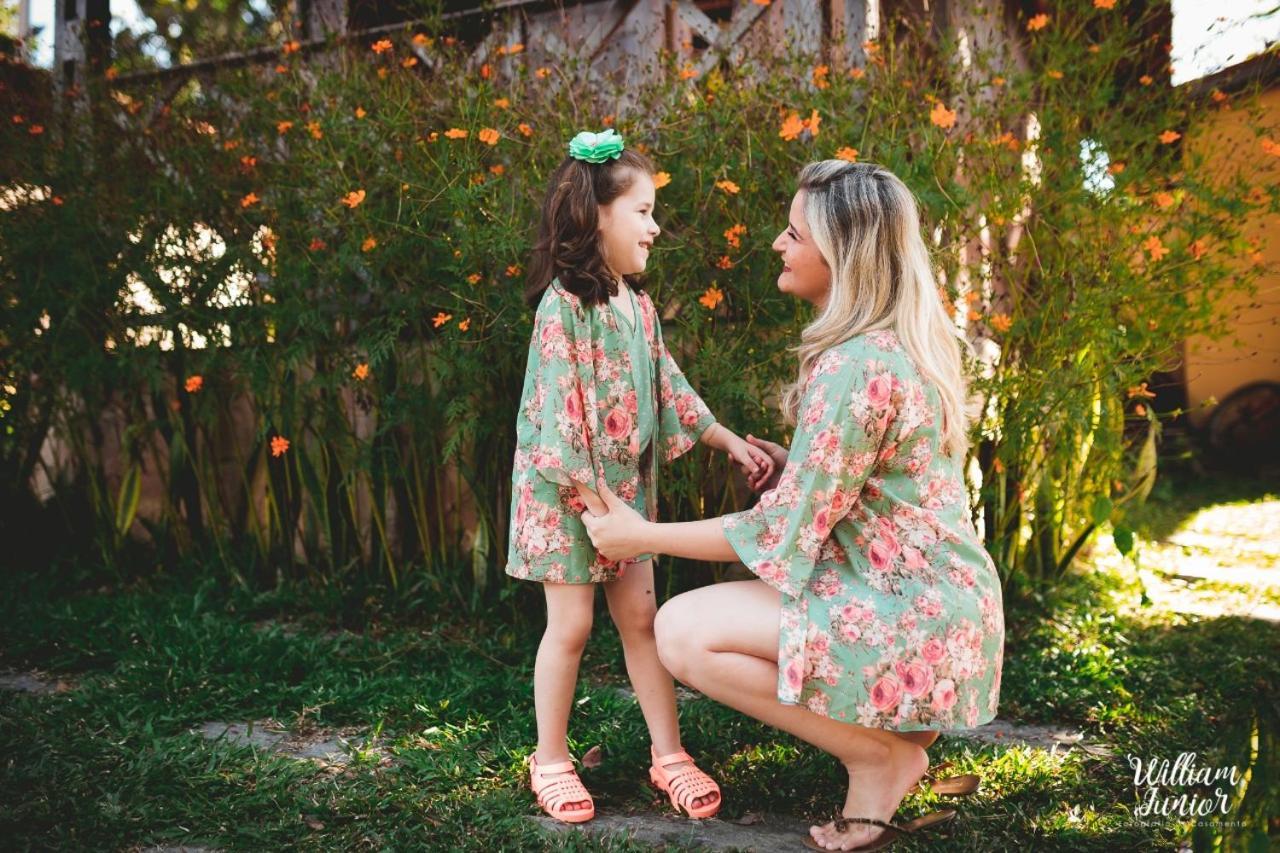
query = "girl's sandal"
{"x": 892, "y": 831}
{"x": 554, "y": 794}
{"x": 685, "y": 785}
{"x": 949, "y": 786}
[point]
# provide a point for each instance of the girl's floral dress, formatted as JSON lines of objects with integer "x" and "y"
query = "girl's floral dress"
{"x": 891, "y": 608}
{"x": 603, "y": 401}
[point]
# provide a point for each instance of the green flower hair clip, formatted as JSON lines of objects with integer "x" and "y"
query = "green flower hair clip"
{"x": 596, "y": 147}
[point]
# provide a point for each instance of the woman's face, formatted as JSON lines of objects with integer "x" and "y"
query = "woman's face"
{"x": 627, "y": 229}
{"x": 805, "y": 273}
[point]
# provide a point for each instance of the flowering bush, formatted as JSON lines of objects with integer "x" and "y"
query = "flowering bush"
{"x": 293, "y": 293}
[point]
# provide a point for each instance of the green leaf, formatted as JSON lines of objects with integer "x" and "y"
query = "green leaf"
{"x": 1124, "y": 540}
{"x": 127, "y": 500}
{"x": 1101, "y": 509}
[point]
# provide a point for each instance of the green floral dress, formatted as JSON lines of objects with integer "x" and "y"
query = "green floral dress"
{"x": 891, "y": 608}
{"x": 603, "y": 401}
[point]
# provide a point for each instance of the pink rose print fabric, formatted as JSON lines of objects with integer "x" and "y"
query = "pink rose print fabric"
{"x": 603, "y": 401}
{"x": 891, "y": 607}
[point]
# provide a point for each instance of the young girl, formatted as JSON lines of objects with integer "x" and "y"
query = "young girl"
{"x": 603, "y": 404}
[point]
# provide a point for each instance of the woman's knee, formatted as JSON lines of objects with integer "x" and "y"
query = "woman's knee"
{"x": 674, "y": 633}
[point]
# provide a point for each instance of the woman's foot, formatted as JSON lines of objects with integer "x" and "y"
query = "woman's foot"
{"x": 876, "y": 789}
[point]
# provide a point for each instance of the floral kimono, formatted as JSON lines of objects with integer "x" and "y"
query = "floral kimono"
{"x": 603, "y": 401}
{"x": 891, "y": 608}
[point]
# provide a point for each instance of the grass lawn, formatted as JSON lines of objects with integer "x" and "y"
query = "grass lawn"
{"x": 442, "y": 712}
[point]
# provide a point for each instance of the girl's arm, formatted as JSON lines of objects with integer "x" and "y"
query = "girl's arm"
{"x": 622, "y": 533}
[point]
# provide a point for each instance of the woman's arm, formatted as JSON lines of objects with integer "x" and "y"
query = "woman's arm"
{"x": 622, "y": 533}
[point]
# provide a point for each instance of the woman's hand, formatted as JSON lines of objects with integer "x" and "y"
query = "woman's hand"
{"x": 756, "y": 464}
{"x": 762, "y": 482}
{"x": 621, "y": 533}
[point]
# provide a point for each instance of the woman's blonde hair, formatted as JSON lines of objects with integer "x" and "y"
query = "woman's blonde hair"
{"x": 866, "y": 224}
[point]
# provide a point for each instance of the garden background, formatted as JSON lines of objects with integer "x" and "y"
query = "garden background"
{"x": 263, "y": 340}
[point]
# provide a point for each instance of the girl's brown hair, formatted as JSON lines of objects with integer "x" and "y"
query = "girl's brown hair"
{"x": 568, "y": 243}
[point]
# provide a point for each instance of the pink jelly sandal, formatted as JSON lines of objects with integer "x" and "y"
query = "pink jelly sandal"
{"x": 685, "y": 785}
{"x": 554, "y": 794}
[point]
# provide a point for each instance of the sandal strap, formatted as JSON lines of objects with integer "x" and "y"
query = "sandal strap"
{"x": 674, "y": 758}
{"x": 842, "y": 823}
{"x": 690, "y": 783}
{"x": 541, "y": 769}
{"x": 558, "y": 792}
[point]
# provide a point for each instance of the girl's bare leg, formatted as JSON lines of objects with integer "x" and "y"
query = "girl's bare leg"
{"x": 633, "y": 606}
{"x": 723, "y": 641}
{"x": 555, "y": 671}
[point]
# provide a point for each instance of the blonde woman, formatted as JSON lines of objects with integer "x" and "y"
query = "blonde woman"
{"x": 876, "y": 619}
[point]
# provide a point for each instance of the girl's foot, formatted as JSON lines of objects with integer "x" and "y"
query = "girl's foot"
{"x": 876, "y": 789}
{"x": 559, "y": 790}
{"x": 689, "y": 788}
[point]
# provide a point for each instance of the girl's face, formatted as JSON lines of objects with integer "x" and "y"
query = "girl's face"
{"x": 805, "y": 273}
{"x": 627, "y": 229}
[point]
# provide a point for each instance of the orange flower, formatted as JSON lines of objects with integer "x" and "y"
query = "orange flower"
{"x": 279, "y": 444}
{"x": 848, "y": 154}
{"x": 1163, "y": 200}
{"x": 250, "y": 200}
{"x": 1093, "y": 48}
{"x": 247, "y": 162}
{"x": 1140, "y": 410}
{"x": 474, "y": 278}
{"x": 360, "y": 113}
{"x": 381, "y": 46}
{"x": 464, "y": 325}
{"x": 502, "y": 103}
{"x": 688, "y": 72}
{"x": 524, "y": 129}
{"x": 291, "y": 47}
{"x": 317, "y": 245}
{"x": 711, "y": 298}
{"x": 1141, "y": 390}
{"x": 607, "y": 121}
{"x": 382, "y": 73}
{"x": 942, "y": 117}
{"x": 1198, "y": 247}
{"x": 422, "y": 40}
{"x": 1155, "y": 247}
{"x": 316, "y": 132}
{"x": 497, "y": 168}
{"x": 36, "y": 129}
{"x": 486, "y": 71}
{"x": 542, "y": 73}
{"x": 1170, "y": 136}
{"x": 194, "y": 383}
{"x": 1116, "y": 168}
{"x": 1039, "y": 22}
{"x": 857, "y": 73}
{"x": 456, "y": 133}
{"x": 432, "y": 136}
{"x": 791, "y": 128}
{"x": 112, "y": 73}
{"x": 282, "y": 69}
{"x": 513, "y": 270}
{"x": 660, "y": 180}
{"x": 728, "y": 186}
{"x": 1054, "y": 74}
{"x": 1146, "y": 79}
{"x": 733, "y": 234}
{"x": 409, "y": 62}
{"x": 820, "y": 76}
{"x": 353, "y": 199}
{"x": 1001, "y": 322}
{"x": 812, "y": 122}
{"x": 230, "y": 145}
{"x": 440, "y": 319}
{"x": 1104, "y": 4}
{"x": 489, "y": 136}
{"x": 282, "y": 127}
{"x": 1008, "y": 140}
{"x": 1218, "y": 96}
{"x": 1271, "y": 147}
{"x": 724, "y": 262}
{"x": 361, "y": 372}
{"x": 57, "y": 201}
{"x": 369, "y": 244}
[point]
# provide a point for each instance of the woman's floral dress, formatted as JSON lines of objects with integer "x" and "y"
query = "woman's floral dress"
{"x": 891, "y": 608}
{"x": 602, "y": 402}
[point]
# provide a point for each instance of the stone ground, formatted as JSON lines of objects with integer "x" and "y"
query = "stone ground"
{"x": 1223, "y": 561}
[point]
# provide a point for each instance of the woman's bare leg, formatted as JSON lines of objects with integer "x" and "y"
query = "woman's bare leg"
{"x": 633, "y": 605}
{"x": 723, "y": 641}
{"x": 555, "y": 671}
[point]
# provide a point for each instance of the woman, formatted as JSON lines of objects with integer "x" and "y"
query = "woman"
{"x": 876, "y": 620}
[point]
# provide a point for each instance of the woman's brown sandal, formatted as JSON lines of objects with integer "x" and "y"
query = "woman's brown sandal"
{"x": 892, "y": 831}
{"x": 949, "y": 786}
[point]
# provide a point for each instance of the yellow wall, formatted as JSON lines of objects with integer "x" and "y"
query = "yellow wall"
{"x": 1252, "y": 351}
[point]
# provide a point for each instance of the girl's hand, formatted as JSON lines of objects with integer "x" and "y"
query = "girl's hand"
{"x": 621, "y": 533}
{"x": 755, "y": 463}
{"x": 778, "y": 460}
